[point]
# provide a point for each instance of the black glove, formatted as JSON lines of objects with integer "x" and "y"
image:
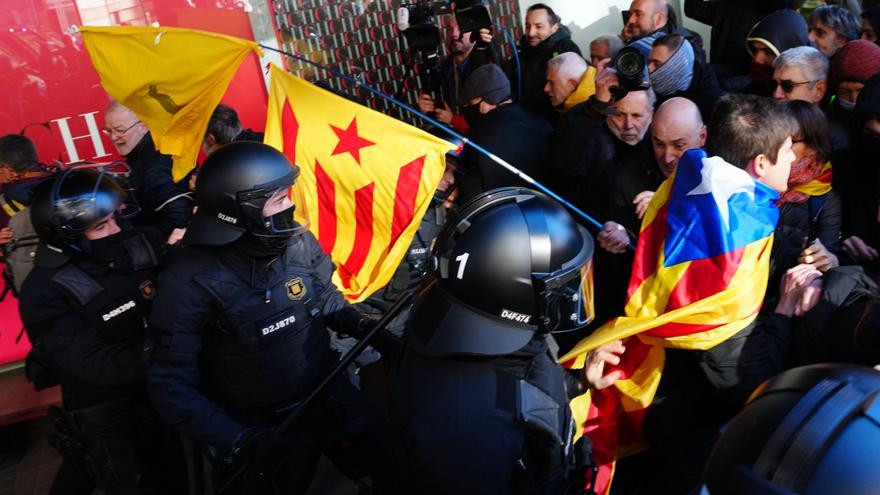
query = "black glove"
{"x": 388, "y": 344}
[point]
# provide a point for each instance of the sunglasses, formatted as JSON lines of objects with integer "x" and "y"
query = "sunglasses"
{"x": 787, "y": 85}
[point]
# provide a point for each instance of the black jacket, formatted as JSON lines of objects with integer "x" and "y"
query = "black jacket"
{"x": 533, "y": 70}
{"x": 515, "y": 135}
{"x": 240, "y": 335}
{"x": 87, "y": 322}
{"x": 799, "y": 224}
{"x": 164, "y": 204}
{"x": 731, "y": 22}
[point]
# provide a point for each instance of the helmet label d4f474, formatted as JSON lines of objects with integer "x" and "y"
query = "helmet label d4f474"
{"x": 514, "y": 316}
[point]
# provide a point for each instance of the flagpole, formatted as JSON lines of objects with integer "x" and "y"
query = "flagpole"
{"x": 517, "y": 172}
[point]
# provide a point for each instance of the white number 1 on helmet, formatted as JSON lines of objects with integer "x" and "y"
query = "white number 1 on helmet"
{"x": 462, "y": 261}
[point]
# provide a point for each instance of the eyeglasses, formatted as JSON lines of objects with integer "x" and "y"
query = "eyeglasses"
{"x": 787, "y": 85}
{"x": 111, "y": 132}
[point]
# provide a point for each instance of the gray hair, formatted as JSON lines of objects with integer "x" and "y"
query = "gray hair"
{"x": 811, "y": 61}
{"x": 838, "y": 19}
{"x": 612, "y": 40}
{"x": 568, "y": 65}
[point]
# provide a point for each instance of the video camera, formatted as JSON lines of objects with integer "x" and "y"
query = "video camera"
{"x": 417, "y": 24}
{"x": 632, "y": 72}
{"x": 416, "y": 20}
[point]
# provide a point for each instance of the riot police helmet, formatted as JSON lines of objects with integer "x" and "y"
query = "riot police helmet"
{"x": 512, "y": 263}
{"x": 809, "y": 430}
{"x": 234, "y": 185}
{"x": 63, "y": 207}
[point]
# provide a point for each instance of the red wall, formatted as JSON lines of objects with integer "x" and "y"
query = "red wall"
{"x": 52, "y": 94}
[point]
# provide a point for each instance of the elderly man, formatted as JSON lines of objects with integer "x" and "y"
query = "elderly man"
{"x": 544, "y": 38}
{"x": 604, "y": 46}
{"x": 164, "y": 204}
{"x": 569, "y": 81}
{"x": 677, "y": 127}
{"x": 601, "y": 160}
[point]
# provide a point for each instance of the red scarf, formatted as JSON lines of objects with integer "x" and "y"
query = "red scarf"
{"x": 808, "y": 177}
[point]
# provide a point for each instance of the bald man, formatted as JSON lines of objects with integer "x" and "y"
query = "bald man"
{"x": 677, "y": 127}
{"x": 646, "y": 17}
{"x": 165, "y": 205}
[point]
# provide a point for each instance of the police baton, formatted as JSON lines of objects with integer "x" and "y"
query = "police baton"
{"x": 296, "y": 415}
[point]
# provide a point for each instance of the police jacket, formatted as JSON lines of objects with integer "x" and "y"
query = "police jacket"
{"x": 240, "y": 335}
{"x": 87, "y": 320}
{"x": 478, "y": 425}
{"x": 164, "y": 203}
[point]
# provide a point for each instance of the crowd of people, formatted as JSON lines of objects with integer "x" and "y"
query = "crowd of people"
{"x": 188, "y": 319}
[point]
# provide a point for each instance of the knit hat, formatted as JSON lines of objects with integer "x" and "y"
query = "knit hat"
{"x": 676, "y": 73}
{"x": 868, "y": 103}
{"x": 487, "y": 82}
{"x": 780, "y": 31}
{"x": 856, "y": 61}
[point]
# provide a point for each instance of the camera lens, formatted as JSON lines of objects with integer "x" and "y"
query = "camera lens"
{"x": 629, "y": 64}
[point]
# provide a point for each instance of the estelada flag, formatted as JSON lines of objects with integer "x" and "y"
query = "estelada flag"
{"x": 368, "y": 178}
{"x": 171, "y": 78}
{"x": 699, "y": 277}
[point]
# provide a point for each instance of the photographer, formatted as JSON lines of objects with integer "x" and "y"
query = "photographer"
{"x": 592, "y": 145}
{"x": 467, "y": 52}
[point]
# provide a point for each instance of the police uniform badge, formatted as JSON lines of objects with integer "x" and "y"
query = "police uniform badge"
{"x": 296, "y": 289}
{"x": 147, "y": 290}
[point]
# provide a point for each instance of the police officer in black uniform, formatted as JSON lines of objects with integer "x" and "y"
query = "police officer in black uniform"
{"x": 479, "y": 403}
{"x": 242, "y": 319}
{"x": 85, "y": 306}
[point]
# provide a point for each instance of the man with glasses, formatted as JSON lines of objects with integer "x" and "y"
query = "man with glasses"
{"x": 801, "y": 73}
{"x": 164, "y": 204}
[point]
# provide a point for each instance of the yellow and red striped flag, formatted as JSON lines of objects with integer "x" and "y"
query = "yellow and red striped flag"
{"x": 368, "y": 178}
{"x": 699, "y": 277}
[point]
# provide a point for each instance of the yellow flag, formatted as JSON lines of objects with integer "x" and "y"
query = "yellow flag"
{"x": 171, "y": 78}
{"x": 368, "y": 178}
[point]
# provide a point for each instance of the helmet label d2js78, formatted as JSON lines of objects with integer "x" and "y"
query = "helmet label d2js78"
{"x": 514, "y": 316}
{"x": 227, "y": 218}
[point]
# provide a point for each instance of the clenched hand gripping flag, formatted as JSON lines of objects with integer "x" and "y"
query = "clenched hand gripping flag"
{"x": 699, "y": 276}
{"x": 171, "y": 78}
{"x": 368, "y": 178}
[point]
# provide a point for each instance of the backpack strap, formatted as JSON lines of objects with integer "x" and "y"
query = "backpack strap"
{"x": 10, "y": 206}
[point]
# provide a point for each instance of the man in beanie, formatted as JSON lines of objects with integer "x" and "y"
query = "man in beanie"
{"x": 505, "y": 128}
{"x": 775, "y": 33}
{"x": 852, "y": 65}
{"x": 675, "y": 71}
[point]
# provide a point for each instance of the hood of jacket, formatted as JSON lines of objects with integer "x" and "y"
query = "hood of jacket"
{"x": 585, "y": 89}
{"x": 780, "y": 31}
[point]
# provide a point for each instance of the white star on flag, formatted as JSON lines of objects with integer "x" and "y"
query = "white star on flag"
{"x": 722, "y": 180}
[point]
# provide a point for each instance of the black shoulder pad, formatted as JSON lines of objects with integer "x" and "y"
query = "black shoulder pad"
{"x": 141, "y": 251}
{"x": 78, "y": 284}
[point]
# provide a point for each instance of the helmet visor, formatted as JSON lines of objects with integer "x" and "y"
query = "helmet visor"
{"x": 569, "y": 299}
{"x": 83, "y": 206}
{"x": 282, "y": 211}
